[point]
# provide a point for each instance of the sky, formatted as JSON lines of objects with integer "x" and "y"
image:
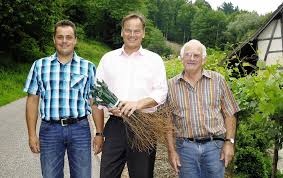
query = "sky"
{"x": 260, "y": 6}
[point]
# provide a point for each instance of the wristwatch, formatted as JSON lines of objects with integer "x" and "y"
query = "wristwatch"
{"x": 99, "y": 134}
{"x": 232, "y": 140}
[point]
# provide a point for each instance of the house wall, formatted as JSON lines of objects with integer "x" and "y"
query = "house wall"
{"x": 276, "y": 44}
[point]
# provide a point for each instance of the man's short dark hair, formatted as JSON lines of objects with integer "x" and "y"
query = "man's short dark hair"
{"x": 64, "y": 23}
{"x": 134, "y": 15}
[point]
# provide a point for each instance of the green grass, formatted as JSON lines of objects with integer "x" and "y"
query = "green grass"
{"x": 12, "y": 78}
{"x": 91, "y": 50}
{"x": 13, "y": 75}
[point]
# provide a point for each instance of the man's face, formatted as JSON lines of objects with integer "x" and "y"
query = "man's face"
{"x": 192, "y": 58}
{"x": 132, "y": 33}
{"x": 65, "y": 40}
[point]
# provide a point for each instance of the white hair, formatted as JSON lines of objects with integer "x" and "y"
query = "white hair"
{"x": 203, "y": 48}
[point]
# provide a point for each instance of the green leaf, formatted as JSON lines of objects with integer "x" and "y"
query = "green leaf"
{"x": 261, "y": 64}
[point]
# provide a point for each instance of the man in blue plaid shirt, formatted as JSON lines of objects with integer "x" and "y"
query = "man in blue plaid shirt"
{"x": 62, "y": 84}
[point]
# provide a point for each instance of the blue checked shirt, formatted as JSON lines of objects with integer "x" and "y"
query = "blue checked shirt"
{"x": 64, "y": 89}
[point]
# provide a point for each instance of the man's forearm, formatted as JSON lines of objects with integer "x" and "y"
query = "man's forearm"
{"x": 170, "y": 142}
{"x": 147, "y": 103}
{"x": 170, "y": 139}
{"x": 230, "y": 124}
{"x": 32, "y": 114}
{"x": 98, "y": 117}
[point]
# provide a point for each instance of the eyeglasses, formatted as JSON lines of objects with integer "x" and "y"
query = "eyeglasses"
{"x": 192, "y": 55}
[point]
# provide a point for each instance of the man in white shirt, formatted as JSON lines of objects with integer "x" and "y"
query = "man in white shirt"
{"x": 137, "y": 77}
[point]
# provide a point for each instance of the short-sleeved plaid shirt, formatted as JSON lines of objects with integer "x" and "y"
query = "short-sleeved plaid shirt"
{"x": 64, "y": 89}
{"x": 201, "y": 109}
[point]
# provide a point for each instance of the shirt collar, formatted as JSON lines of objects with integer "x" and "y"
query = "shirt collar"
{"x": 75, "y": 57}
{"x": 140, "y": 51}
{"x": 205, "y": 73}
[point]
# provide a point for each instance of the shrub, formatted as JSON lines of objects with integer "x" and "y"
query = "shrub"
{"x": 252, "y": 162}
{"x": 27, "y": 50}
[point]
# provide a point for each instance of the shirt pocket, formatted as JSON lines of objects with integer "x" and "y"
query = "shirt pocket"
{"x": 78, "y": 81}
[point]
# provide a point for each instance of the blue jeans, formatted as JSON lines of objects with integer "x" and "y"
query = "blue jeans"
{"x": 200, "y": 160}
{"x": 56, "y": 139}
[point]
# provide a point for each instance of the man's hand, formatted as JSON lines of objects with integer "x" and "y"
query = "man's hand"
{"x": 97, "y": 144}
{"x": 174, "y": 161}
{"x": 34, "y": 144}
{"x": 127, "y": 108}
{"x": 115, "y": 111}
{"x": 227, "y": 153}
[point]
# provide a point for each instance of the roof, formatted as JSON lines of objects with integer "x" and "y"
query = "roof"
{"x": 274, "y": 15}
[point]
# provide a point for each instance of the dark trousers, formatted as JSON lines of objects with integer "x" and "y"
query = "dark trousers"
{"x": 117, "y": 151}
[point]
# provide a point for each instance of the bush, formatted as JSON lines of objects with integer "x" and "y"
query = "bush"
{"x": 27, "y": 50}
{"x": 253, "y": 134}
{"x": 251, "y": 162}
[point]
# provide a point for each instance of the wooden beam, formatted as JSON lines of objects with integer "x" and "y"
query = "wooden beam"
{"x": 269, "y": 44}
{"x": 277, "y": 51}
{"x": 275, "y": 38}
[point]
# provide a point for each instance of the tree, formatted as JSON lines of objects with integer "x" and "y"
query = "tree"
{"x": 228, "y": 8}
{"x": 27, "y": 26}
{"x": 243, "y": 26}
{"x": 165, "y": 16}
{"x": 208, "y": 27}
{"x": 202, "y": 4}
{"x": 184, "y": 20}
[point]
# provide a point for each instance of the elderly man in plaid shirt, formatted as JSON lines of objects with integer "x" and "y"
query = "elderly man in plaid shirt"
{"x": 62, "y": 84}
{"x": 204, "y": 118}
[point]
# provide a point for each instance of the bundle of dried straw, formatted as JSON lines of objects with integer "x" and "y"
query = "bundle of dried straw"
{"x": 148, "y": 129}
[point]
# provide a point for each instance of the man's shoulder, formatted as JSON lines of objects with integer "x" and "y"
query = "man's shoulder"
{"x": 110, "y": 55}
{"x": 151, "y": 53}
{"x": 85, "y": 62}
{"x": 174, "y": 79}
{"x": 113, "y": 52}
{"x": 213, "y": 74}
{"x": 44, "y": 60}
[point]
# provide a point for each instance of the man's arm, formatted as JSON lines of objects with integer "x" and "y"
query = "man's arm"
{"x": 31, "y": 120}
{"x": 98, "y": 118}
{"x": 228, "y": 147}
{"x": 173, "y": 156}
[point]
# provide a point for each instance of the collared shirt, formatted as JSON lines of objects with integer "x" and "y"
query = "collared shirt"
{"x": 133, "y": 77}
{"x": 201, "y": 109}
{"x": 64, "y": 88}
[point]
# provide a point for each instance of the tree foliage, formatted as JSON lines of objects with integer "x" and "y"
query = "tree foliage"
{"x": 228, "y": 8}
{"x": 243, "y": 26}
{"x": 209, "y": 27}
{"x": 27, "y": 21}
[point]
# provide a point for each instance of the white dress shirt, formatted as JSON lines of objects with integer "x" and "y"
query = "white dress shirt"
{"x": 133, "y": 77}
